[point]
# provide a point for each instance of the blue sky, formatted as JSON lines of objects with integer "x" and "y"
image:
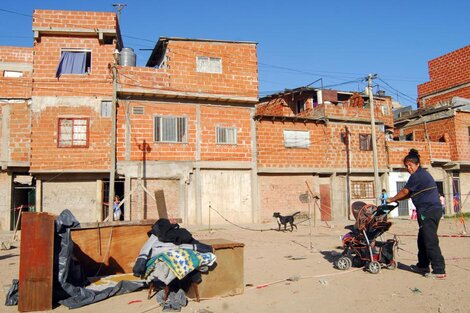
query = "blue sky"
{"x": 298, "y": 41}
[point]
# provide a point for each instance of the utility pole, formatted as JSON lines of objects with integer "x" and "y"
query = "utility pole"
{"x": 119, "y": 7}
{"x": 112, "y": 170}
{"x": 374, "y": 138}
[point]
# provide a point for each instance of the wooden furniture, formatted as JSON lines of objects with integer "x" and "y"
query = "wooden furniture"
{"x": 227, "y": 278}
{"x": 109, "y": 249}
{"x": 36, "y": 262}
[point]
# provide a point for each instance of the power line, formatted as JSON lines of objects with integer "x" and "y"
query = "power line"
{"x": 396, "y": 90}
{"x": 17, "y": 13}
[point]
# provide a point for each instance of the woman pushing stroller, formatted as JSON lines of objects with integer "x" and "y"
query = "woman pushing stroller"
{"x": 422, "y": 190}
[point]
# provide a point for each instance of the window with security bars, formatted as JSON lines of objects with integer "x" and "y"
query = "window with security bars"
{"x": 226, "y": 135}
{"x": 296, "y": 139}
{"x": 170, "y": 129}
{"x": 73, "y": 133}
{"x": 362, "y": 189}
{"x": 365, "y": 142}
{"x": 209, "y": 65}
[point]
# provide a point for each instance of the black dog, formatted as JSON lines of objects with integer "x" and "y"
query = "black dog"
{"x": 283, "y": 220}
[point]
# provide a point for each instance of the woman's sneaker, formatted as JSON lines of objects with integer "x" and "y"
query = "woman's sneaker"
{"x": 436, "y": 276}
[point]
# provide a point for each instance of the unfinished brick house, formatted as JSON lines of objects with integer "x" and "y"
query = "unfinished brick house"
{"x": 16, "y": 185}
{"x": 319, "y": 140}
{"x": 441, "y": 125}
{"x": 185, "y": 123}
{"x": 187, "y": 131}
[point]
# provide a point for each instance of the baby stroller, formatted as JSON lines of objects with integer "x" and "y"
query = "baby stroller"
{"x": 360, "y": 245}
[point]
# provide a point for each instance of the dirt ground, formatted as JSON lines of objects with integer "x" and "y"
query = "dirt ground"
{"x": 272, "y": 257}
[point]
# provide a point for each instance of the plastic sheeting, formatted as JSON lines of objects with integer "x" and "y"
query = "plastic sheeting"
{"x": 69, "y": 288}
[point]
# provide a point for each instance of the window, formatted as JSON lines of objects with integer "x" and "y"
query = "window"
{"x": 74, "y": 62}
{"x": 209, "y": 65}
{"x": 106, "y": 108}
{"x": 138, "y": 110}
{"x": 12, "y": 74}
{"x": 296, "y": 139}
{"x": 362, "y": 189}
{"x": 73, "y": 132}
{"x": 226, "y": 135}
{"x": 170, "y": 129}
{"x": 365, "y": 142}
{"x": 300, "y": 106}
{"x": 344, "y": 138}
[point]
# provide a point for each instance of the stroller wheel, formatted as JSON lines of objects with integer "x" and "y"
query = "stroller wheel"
{"x": 374, "y": 267}
{"x": 343, "y": 263}
{"x": 392, "y": 265}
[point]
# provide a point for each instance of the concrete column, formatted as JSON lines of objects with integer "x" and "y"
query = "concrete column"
{"x": 5, "y": 204}
{"x": 197, "y": 173}
{"x": 255, "y": 199}
{"x": 99, "y": 201}
{"x": 39, "y": 195}
{"x": 127, "y": 202}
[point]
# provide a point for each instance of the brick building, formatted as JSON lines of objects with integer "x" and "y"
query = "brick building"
{"x": 319, "y": 140}
{"x": 184, "y": 123}
{"x": 441, "y": 125}
{"x": 191, "y": 133}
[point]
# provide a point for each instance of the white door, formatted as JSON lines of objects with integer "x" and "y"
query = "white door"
{"x": 229, "y": 195}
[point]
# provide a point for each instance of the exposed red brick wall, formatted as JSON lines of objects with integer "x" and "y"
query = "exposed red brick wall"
{"x": 280, "y": 193}
{"x": 239, "y": 75}
{"x": 47, "y": 57}
{"x": 170, "y": 189}
{"x": 11, "y": 87}
{"x": 20, "y": 128}
{"x": 142, "y": 128}
{"x": 326, "y": 149}
{"x": 16, "y": 54}
{"x": 213, "y": 116}
{"x": 74, "y": 19}
{"x": 15, "y": 88}
{"x": 398, "y": 150}
{"x": 45, "y": 155}
{"x": 447, "y": 71}
{"x": 143, "y": 77}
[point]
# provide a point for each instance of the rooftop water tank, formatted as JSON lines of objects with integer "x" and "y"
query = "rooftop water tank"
{"x": 127, "y": 57}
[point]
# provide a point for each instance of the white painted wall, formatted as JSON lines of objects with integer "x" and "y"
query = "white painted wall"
{"x": 393, "y": 178}
{"x": 228, "y": 192}
{"x": 77, "y": 196}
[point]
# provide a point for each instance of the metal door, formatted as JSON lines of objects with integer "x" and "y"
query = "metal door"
{"x": 403, "y": 206}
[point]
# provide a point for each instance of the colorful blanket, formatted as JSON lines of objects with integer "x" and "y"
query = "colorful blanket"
{"x": 181, "y": 261}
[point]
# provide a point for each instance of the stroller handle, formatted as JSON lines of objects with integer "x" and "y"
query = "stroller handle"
{"x": 386, "y": 208}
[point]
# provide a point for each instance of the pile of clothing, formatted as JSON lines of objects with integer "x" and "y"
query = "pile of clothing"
{"x": 171, "y": 253}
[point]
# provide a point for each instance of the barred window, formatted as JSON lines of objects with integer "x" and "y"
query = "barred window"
{"x": 296, "y": 139}
{"x": 73, "y": 132}
{"x": 365, "y": 142}
{"x": 209, "y": 65}
{"x": 362, "y": 189}
{"x": 226, "y": 135}
{"x": 170, "y": 129}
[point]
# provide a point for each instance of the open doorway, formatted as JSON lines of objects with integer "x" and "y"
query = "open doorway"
{"x": 119, "y": 191}
{"x": 23, "y": 199}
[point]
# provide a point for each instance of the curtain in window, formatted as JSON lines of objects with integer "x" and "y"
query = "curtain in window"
{"x": 71, "y": 62}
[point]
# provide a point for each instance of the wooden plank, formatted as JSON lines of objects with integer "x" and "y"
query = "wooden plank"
{"x": 161, "y": 204}
{"x": 325, "y": 202}
{"x": 36, "y": 262}
{"x": 109, "y": 249}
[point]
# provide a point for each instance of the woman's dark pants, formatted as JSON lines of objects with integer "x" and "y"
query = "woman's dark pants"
{"x": 428, "y": 243}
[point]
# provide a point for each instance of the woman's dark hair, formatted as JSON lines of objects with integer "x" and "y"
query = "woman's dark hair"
{"x": 413, "y": 157}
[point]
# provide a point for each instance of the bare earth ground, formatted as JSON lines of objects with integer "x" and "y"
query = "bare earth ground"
{"x": 271, "y": 257}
